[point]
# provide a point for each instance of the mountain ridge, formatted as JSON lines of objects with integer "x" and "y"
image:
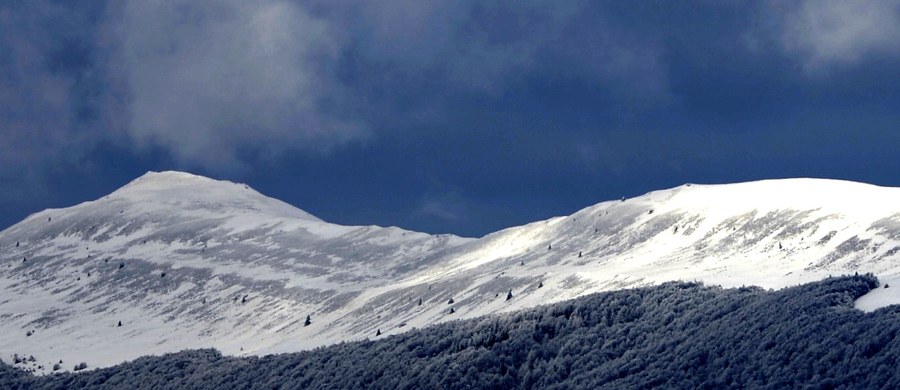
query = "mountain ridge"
{"x": 188, "y": 262}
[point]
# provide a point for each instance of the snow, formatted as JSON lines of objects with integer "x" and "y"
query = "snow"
{"x": 162, "y": 190}
{"x": 242, "y": 270}
{"x": 887, "y": 294}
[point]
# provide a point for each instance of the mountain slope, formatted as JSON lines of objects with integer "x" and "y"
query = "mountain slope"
{"x": 772, "y": 233}
{"x": 187, "y": 262}
{"x": 181, "y": 260}
{"x": 807, "y": 336}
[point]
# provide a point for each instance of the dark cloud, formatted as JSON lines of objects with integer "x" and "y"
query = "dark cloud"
{"x": 208, "y": 78}
{"x": 824, "y": 35}
{"x": 211, "y": 81}
{"x": 216, "y": 81}
{"x": 435, "y": 115}
{"x": 49, "y": 111}
{"x": 35, "y": 101}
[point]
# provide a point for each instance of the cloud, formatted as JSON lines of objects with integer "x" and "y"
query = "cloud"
{"x": 47, "y": 116}
{"x": 829, "y": 34}
{"x": 447, "y": 207}
{"x": 223, "y": 84}
{"x": 35, "y": 102}
{"x": 475, "y": 46}
{"x": 483, "y": 47}
{"x": 212, "y": 79}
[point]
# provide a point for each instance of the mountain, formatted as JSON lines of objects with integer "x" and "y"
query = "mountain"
{"x": 807, "y": 336}
{"x": 184, "y": 261}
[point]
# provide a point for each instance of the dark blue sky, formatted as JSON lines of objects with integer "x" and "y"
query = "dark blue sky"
{"x": 463, "y": 117}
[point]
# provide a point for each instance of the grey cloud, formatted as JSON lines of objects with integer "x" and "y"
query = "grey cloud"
{"x": 484, "y": 46}
{"x": 828, "y": 34}
{"x": 207, "y": 78}
{"x": 447, "y": 207}
{"x": 35, "y": 103}
{"x": 214, "y": 81}
{"x": 46, "y": 121}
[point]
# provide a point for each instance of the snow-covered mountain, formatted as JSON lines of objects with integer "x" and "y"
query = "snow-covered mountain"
{"x": 184, "y": 261}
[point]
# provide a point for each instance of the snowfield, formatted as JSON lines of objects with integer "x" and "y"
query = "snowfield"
{"x": 184, "y": 261}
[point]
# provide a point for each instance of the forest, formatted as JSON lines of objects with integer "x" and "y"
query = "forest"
{"x": 678, "y": 334}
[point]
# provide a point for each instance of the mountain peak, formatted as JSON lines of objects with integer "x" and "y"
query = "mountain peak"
{"x": 158, "y": 180}
{"x": 185, "y": 190}
{"x": 842, "y": 196}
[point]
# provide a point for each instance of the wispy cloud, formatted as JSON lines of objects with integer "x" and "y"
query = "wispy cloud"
{"x": 446, "y": 207}
{"x": 47, "y": 116}
{"x": 36, "y": 113}
{"x": 219, "y": 83}
{"x": 831, "y": 34}
{"x": 484, "y": 47}
{"x": 210, "y": 79}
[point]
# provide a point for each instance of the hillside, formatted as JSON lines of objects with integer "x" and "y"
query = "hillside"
{"x": 184, "y": 261}
{"x": 675, "y": 335}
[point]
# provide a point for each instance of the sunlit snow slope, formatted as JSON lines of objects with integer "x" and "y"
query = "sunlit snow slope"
{"x": 185, "y": 262}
